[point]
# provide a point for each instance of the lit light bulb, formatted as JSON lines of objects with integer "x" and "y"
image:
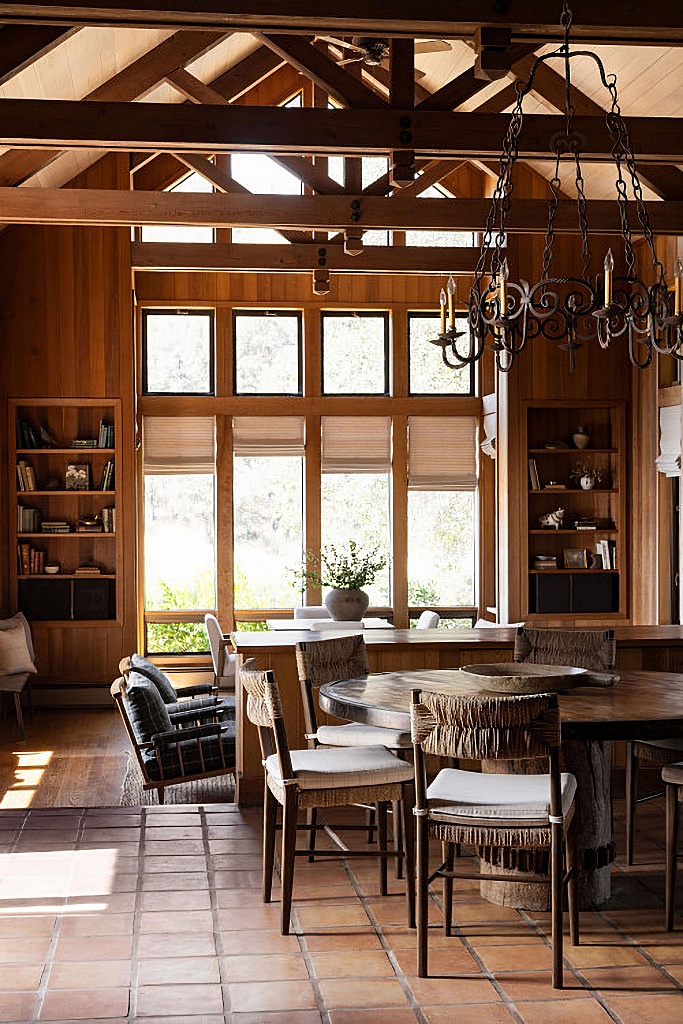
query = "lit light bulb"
{"x": 678, "y": 286}
{"x": 451, "y": 303}
{"x": 503, "y": 276}
{"x": 609, "y": 267}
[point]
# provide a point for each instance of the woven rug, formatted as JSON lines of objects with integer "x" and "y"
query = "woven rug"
{"x": 218, "y": 790}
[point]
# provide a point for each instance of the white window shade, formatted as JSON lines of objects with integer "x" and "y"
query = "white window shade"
{"x": 356, "y": 444}
{"x": 669, "y": 458}
{"x": 178, "y": 444}
{"x": 268, "y": 435}
{"x": 442, "y": 453}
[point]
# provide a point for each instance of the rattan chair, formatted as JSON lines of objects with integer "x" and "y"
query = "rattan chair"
{"x": 520, "y": 812}
{"x": 654, "y": 754}
{"x": 223, "y": 654}
{"x": 592, "y": 649}
{"x": 672, "y": 776}
{"x": 305, "y": 779}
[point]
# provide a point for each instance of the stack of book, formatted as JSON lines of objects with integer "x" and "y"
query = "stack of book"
{"x": 31, "y": 561}
{"x": 55, "y": 526}
{"x": 84, "y": 442}
{"x": 108, "y": 517}
{"x": 87, "y": 570}
{"x": 545, "y": 562}
{"x": 107, "y": 480}
{"x": 106, "y": 435}
{"x": 26, "y": 477}
{"x": 89, "y": 527}
{"x": 26, "y": 435}
{"x": 607, "y": 549}
{"x": 28, "y": 519}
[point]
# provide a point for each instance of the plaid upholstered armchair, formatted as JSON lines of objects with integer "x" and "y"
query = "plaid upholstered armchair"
{"x": 184, "y": 744}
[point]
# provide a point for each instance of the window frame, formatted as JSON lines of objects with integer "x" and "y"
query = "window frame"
{"x": 207, "y": 312}
{"x": 371, "y": 314}
{"x": 284, "y": 313}
{"x": 415, "y": 314}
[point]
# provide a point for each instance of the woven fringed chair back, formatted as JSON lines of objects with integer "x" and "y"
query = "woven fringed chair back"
{"x": 263, "y": 697}
{"x": 339, "y": 657}
{"x": 592, "y": 649}
{"x": 493, "y": 728}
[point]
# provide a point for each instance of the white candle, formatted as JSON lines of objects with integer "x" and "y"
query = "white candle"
{"x": 609, "y": 267}
{"x": 442, "y": 303}
{"x": 678, "y": 286}
{"x": 451, "y": 303}
{"x": 504, "y": 274}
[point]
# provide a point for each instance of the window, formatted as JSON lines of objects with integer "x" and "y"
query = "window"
{"x": 355, "y": 489}
{"x": 355, "y": 349}
{"x": 169, "y": 232}
{"x": 267, "y": 353}
{"x": 267, "y": 510}
{"x": 427, "y": 372}
{"x": 441, "y": 239}
{"x": 179, "y": 533}
{"x": 442, "y": 534}
{"x": 178, "y": 352}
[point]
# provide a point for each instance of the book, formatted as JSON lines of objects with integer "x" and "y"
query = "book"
{"x": 533, "y": 475}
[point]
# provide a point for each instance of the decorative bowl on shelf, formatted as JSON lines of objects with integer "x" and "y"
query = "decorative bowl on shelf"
{"x": 51, "y": 570}
{"x": 515, "y": 677}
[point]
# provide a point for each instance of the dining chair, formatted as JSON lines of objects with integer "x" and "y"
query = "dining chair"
{"x": 312, "y": 778}
{"x": 428, "y": 620}
{"x": 672, "y": 776}
{"x": 654, "y": 754}
{"x": 312, "y": 611}
{"x": 323, "y": 661}
{"x": 592, "y": 649}
{"x": 512, "y": 812}
{"x": 223, "y": 655}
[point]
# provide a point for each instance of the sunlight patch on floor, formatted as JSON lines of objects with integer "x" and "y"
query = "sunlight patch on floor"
{"x": 55, "y": 874}
{"x": 31, "y": 765}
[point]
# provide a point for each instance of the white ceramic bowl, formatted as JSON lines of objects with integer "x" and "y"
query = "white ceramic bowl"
{"x": 51, "y": 570}
{"x": 515, "y": 677}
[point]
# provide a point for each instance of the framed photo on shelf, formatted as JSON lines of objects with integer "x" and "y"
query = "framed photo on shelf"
{"x": 575, "y": 558}
{"x": 77, "y": 476}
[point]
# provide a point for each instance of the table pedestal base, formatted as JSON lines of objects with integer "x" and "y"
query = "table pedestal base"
{"x": 590, "y": 761}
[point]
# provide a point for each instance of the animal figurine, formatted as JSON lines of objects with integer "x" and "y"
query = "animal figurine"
{"x": 555, "y": 518}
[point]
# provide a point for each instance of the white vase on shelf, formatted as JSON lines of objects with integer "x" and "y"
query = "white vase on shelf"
{"x": 587, "y": 482}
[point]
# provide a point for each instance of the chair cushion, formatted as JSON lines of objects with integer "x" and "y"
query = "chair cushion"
{"x": 15, "y": 655}
{"x": 342, "y": 767}
{"x": 222, "y": 705}
{"x": 356, "y": 735}
{"x": 154, "y": 673}
{"x": 146, "y": 710}
{"x": 211, "y": 748}
{"x": 673, "y": 773}
{"x": 495, "y": 798}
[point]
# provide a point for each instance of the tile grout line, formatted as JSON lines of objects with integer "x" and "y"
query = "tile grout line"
{"x": 219, "y": 947}
{"x": 137, "y": 918}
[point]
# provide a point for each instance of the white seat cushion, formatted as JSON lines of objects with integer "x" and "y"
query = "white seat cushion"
{"x": 673, "y": 743}
{"x": 495, "y": 798}
{"x": 356, "y": 735}
{"x": 673, "y": 773}
{"x": 342, "y": 767}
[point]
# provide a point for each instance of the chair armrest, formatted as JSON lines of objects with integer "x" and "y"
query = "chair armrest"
{"x": 198, "y": 713}
{"x": 196, "y": 690}
{"x": 169, "y": 739}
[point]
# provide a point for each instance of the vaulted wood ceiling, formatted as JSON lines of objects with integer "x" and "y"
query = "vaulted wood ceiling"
{"x": 174, "y": 88}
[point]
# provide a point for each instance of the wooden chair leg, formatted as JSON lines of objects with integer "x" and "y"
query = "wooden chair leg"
{"x": 382, "y": 845}
{"x": 161, "y": 794}
{"x": 370, "y": 818}
{"x": 672, "y": 818}
{"x": 422, "y": 890}
{"x": 290, "y": 813}
{"x": 448, "y": 857}
{"x": 20, "y": 717}
{"x": 631, "y": 788}
{"x": 556, "y": 903}
{"x": 406, "y": 805}
{"x": 311, "y": 822}
{"x": 270, "y": 806}
{"x": 397, "y": 823}
{"x": 573, "y": 886}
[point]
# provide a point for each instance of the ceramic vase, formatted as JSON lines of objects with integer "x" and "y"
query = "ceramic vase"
{"x": 581, "y": 440}
{"x": 587, "y": 482}
{"x": 346, "y": 605}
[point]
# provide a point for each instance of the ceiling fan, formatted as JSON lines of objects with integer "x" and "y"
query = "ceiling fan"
{"x": 373, "y": 51}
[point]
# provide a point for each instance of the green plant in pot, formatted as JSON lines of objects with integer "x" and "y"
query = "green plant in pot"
{"x": 346, "y": 571}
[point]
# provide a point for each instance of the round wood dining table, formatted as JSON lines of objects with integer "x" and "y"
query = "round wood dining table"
{"x": 639, "y": 705}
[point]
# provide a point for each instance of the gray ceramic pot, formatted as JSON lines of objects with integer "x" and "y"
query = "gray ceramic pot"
{"x": 347, "y": 605}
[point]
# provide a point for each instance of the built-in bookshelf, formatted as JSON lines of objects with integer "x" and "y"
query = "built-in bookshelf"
{"x": 576, "y": 510}
{"x": 63, "y": 457}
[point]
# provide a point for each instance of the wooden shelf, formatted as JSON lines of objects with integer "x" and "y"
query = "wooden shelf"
{"x": 72, "y": 533}
{"x": 65, "y": 451}
{"x": 62, "y": 494}
{"x": 66, "y": 576}
{"x": 553, "y": 533}
{"x": 547, "y": 491}
{"x": 564, "y": 572}
{"x": 573, "y": 451}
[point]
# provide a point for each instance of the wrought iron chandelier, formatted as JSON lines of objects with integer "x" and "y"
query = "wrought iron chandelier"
{"x": 503, "y": 315}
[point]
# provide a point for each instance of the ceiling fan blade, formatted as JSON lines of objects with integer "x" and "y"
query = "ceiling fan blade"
{"x": 432, "y": 46}
{"x": 350, "y": 60}
{"x": 341, "y": 42}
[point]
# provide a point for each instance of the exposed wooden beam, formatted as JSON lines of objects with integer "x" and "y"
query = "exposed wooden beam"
{"x": 310, "y": 174}
{"x": 464, "y": 86}
{"x": 323, "y": 213}
{"x": 226, "y": 184}
{"x": 164, "y": 127}
{"x": 133, "y": 82}
{"x": 22, "y": 45}
{"x": 248, "y": 73}
{"x": 658, "y": 20}
{"x": 193, "y": 89}
{"x": 402, "y": 95}
{"x": 337, "y": 82}
{"x": 434, "y": 171}
{"x": 189, "y": 256}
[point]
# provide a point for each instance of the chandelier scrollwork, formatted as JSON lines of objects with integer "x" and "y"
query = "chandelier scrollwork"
{"x": 568, "y": 311}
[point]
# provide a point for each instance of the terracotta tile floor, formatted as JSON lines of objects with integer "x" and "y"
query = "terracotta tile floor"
{"x": 155, "y": 915}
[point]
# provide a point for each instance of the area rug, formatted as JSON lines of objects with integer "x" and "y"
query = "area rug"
{"x": 218, "y": 790}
